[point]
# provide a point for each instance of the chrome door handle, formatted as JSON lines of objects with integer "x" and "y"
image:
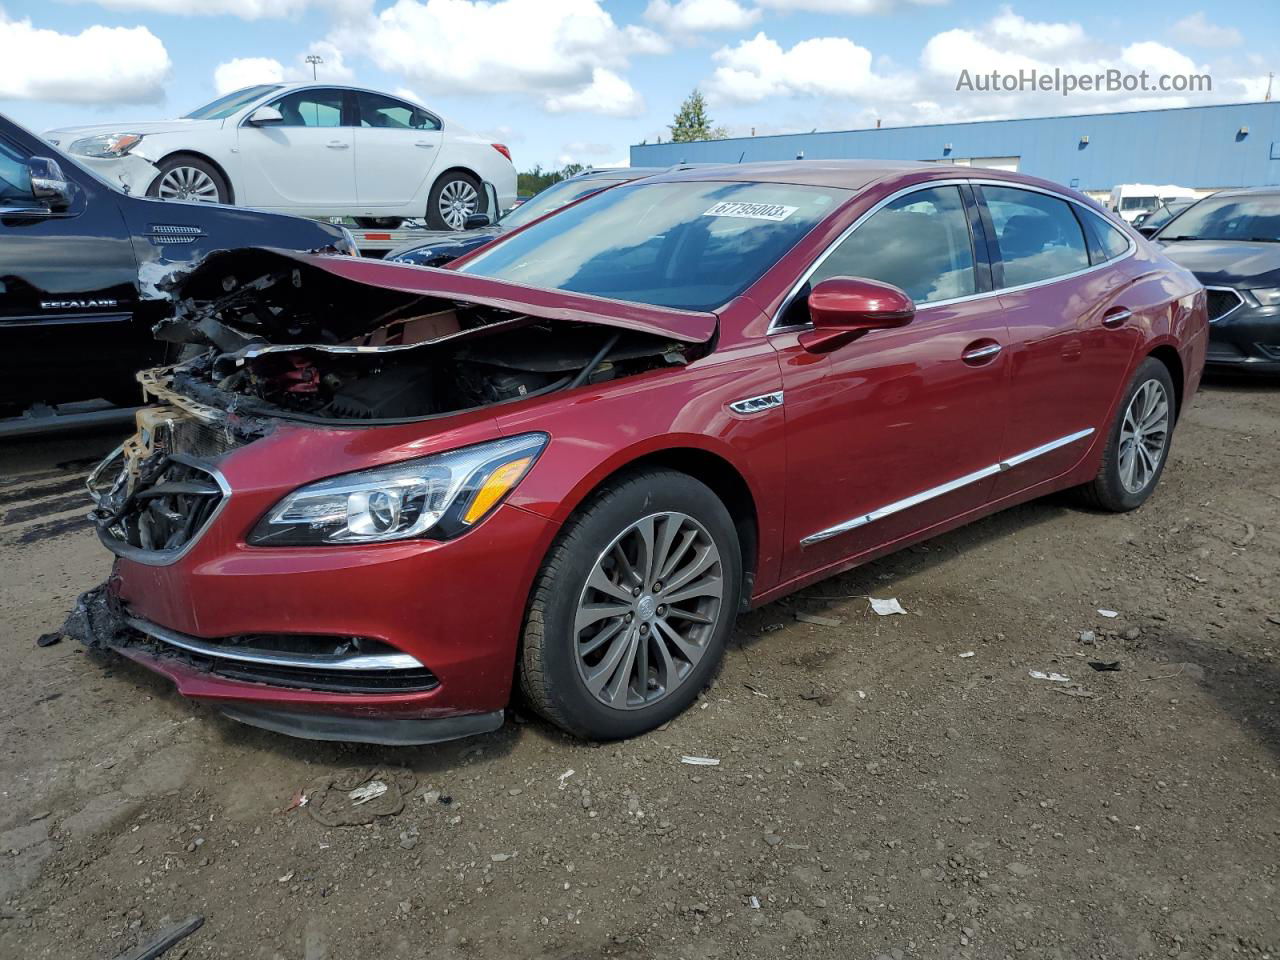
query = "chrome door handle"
{"x": 424, "y": 144}
{"x": 978, "y": 354}
{"x": 1116, "y": 317}
{"x": 337, "y": 145}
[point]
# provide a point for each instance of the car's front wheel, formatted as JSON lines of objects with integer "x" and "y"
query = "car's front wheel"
{"x": 1138, "y": 444}
{"x": 453, "y": 198}
{"x": 189, "y": 178}
{"x": 633, "y": 607}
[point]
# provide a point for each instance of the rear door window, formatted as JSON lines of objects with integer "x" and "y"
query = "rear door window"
{"x": 1038, "y": 236}
{"x": 377, "y": 110}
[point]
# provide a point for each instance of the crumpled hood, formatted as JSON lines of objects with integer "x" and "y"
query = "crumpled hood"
{"x": 346, "y": 297}
{"x": 1232, "y": 263}
{"x": 65, "y": 136}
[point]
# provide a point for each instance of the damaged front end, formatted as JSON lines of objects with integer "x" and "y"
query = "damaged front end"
{"x": 315, "y": 339}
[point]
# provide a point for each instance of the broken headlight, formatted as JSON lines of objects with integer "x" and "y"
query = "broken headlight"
{"x": 446, "y": 493}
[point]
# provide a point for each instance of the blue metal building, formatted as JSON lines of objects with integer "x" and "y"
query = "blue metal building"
{"x": 1205, "y": 148}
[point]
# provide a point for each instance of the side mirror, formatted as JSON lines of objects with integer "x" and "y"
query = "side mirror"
{"x": 844, "y": 308}
{"x": 477, "y": 220}
{"x": 265, "y": 115}
{"x": 49, "y": 184}
{"x": 1148, "y": 232}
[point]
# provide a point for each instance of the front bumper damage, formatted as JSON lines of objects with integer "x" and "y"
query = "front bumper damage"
{"x": 131, "y": 172}
{"x": 298, "y": 641}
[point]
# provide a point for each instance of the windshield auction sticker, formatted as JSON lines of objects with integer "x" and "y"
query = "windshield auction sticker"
{"x": 751, "y": 211}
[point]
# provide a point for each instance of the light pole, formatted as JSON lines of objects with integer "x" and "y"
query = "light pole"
{"x": 314, "y": 60}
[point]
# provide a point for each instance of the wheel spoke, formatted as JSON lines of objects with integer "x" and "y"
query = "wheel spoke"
{"x": 589, "y": 613}
{"x": 644, "y": 550}
{"x": 668, "y": 531}
{"x": 599, "y": 580}
{"x": 689, "y": 651}
{"x": 606, "y": 634}
{"x": 598, "y": 678}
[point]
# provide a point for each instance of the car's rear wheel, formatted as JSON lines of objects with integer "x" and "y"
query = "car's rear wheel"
{"x": 453, "y": 198}
{"x": 1138, "y": 446}
{"x": 189, "y": 178}
{"x": 378, "y": 223}
{"x": 632, "y": 609}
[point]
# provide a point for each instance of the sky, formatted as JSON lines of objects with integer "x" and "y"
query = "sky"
{"x": 564, "y": 81}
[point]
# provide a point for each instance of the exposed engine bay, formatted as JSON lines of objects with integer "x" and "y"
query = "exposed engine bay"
{"x": 270, "y": 334}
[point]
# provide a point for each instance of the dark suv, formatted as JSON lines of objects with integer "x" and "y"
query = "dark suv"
{"x": 83, "y": 266}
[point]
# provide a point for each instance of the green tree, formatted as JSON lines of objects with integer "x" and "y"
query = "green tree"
{"x": 536, "y": 180}
{"x": 693, "y": 123}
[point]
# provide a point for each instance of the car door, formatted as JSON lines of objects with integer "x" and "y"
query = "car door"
{"x": 1072, "y": 328}
{"x": 900, "y": 430}
{"x": 396, "y": 147}
{"x": 68, "y": 288}
{"x": 305, "y": 162}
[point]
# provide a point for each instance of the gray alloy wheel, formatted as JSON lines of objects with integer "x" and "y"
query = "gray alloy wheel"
{"x": 1144, "y": 435}
{"x": 185, "y": 182}
{"x": 648, "y": 610}
{"x": 458, "y": 200}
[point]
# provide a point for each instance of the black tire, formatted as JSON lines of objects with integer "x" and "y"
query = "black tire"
{"x": 378, "y": 223}
{"x": 435, "y": 219}
{"x": 170, "y": 164}
{"x": 548, "y": 667}
{"x": 1107, "y": 490}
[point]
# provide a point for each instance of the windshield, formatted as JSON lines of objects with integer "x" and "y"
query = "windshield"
{"x": 693, "y": 245}
{"x": 555, "y": 197}
{"x": 1137, "y": 203}
{"x": 1254, "y": 218}
{"x": 225, "y": 106}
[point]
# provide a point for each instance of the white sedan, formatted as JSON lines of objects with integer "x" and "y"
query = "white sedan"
{"x": 312, "y": 149}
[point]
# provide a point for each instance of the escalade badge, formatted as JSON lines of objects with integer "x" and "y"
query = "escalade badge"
{"x": 77, "y": 304}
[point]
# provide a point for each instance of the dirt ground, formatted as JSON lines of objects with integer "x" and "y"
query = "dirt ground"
{"x": 881, "y": 792}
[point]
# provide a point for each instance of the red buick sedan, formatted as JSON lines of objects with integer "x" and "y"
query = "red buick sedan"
{"x": 378, "y": 499}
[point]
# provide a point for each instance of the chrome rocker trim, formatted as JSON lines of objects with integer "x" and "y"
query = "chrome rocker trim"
{"x": 949, "y": 487}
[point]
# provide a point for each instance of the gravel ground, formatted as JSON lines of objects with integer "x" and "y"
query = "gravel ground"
{"x": 880, "y": 793}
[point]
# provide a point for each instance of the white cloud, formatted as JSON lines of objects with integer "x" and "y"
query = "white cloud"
{"x": 245, "y": 72}
{"x": 244, "y": 9}
{"x": 607, "y": 93}
{"x": 822, "y": 66}
{"x": 567, "y": 52}
{"x": 698, "y": 16}
{"x": 1197, "y": 31}
{"x": 853, "y": 7}
{"x": 95, "y": 66}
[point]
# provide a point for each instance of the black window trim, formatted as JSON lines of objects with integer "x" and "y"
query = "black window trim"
{"x": 997, "y": 268}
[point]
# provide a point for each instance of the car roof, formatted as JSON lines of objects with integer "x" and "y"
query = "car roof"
{"x": 845, "y": 174}
{"x": 1246, "y": 192}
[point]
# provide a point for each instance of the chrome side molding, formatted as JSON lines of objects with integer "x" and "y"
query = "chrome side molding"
{"x": 766, "y": 401}
{"x": 949, "y": 487}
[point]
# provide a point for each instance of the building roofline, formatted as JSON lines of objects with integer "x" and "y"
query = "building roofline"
{"x": 967, "y": 123}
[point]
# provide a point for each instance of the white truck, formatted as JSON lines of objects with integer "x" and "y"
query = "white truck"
{"x": 1132, "y": 199}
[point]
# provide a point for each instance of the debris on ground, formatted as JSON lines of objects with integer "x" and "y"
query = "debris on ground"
{"x": 49, "y": 639}
{"x": 355, "y": 797}
{"x": 758, "y": 692}
{"x": 565, "y": 776}
{"x": 501, "y": 857}
{"x": 818, "y": 620}
{"x": 1109, "y": 614}
{"x": 819, "y": 697}
{"x": 967, "y": 654}
{"x": 887, "y": 607}
{"x": 165, "y": 939}
{"x": 299, "y": 799}
{"x": 1053, "y": 677}
{"x": 1104, "y": 665}
{"x": 1074, "y": 690}
{"x": 701, "y": 761}
{"x": 1088, "y": 637}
